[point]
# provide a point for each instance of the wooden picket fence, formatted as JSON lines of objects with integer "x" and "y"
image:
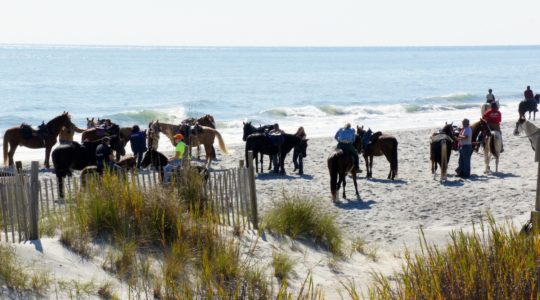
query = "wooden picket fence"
{"x": 25, "y": 199}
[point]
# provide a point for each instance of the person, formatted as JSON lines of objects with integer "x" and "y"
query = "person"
{"x": 137, "y": 140}
{"x": 104, "y": 156}
{"x": 465, "y": 150}
{"x": 528, "y": 94}
{"x": 277, "y": 139}
{"x": 298, "y": 159}
{"x": 345, "y": 137}
{"x": 493, "y": 118}
{"x": 176, "y": 160}
{"x": 490, "y": 97}
{"x": 66, "y": 134}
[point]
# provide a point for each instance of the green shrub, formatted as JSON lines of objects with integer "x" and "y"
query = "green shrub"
{"x": 301, "y": 217}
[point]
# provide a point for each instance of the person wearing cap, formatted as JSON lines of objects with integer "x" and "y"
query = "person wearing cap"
{"x": 176, "y": 160}
{"x": 493, "y": 118}
{"x": 104, "y": 155}
{"x": 465, "y": 150}
{"x": 345, "y": 137}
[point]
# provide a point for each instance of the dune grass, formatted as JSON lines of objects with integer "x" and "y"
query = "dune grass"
{"x": 492, "y": 262}
{"x": 165, "y": 243}
{"x": 300, "y": 217}
{"x": 18, "y": 277}
{"x": 282, "y": 265}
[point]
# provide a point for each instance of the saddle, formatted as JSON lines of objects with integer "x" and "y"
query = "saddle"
{"x": 369, "y": 138}
{"x": 437, "y": 137}
{"x": 28, "y": 132}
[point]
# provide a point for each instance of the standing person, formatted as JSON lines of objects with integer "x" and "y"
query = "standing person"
{"x": 465, "y": 150}
{"x": 104, "y": 156}
{"x": 493, "y": 118}
{"x": 528, "y": 93}
{"x": 298, "y": 159}
{"x": 176, "y": 160}
{"x": 66, "y": 134}
{"x": 137, "y": 140}
{"x": 277, "y": 139}
{"x": 345, "y": 137}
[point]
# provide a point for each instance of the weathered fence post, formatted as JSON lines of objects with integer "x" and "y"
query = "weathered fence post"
{"x": 535, "y": 214}
{"x": 34, "y": 199}
{"x": 252, "y": 191}
{"x": 18, "y": 166}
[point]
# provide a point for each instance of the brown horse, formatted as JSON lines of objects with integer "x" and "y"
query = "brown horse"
{"x": 200, "y": 135}
{"x": 339, "y": 165}
{"x": 92, "y": 134}
{"x": 386, "y": 145}
{"x": 16, "y": 136}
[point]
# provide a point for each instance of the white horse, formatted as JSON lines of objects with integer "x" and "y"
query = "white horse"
{"x": 531, "y": 131}
{"x": 492, "y": 147}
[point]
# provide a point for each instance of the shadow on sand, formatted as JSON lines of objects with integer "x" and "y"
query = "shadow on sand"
{"x": 354, "y": 204}
{"x": 395, "y": 181}
{"x": 273, "y": 176}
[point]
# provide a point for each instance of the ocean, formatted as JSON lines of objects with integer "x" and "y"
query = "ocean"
{"x": 384, "y": 88}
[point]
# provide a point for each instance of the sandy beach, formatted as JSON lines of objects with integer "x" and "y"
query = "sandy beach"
{"x": 390, "y": 213}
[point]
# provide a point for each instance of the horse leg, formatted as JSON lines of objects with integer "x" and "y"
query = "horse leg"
{"x": 370, "y": 166}
{"x": 355, "y": 185}
{"x": 11, "y": 153}
{"x": 366, "y": 159}
{"x": 282, "y": 163}
{"x": 344, "y": 178}
{"x": 47, "y": 155}
{"x": 60, "y": 180}
{"x": 271, "y": 159}
{"x": 338, "y": 186}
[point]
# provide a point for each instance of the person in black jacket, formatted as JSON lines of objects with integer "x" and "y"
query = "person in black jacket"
{"x": 138, "y": 143}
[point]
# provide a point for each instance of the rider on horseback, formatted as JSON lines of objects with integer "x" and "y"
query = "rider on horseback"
{"x": 493, "y": 118}
{"x": 176, "y": 161}
{"x": 346, "y": 137}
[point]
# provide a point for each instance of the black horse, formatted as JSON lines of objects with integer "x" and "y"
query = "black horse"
{"x": 250, "y": 129}
{"x": 159, "y": 161}
{"x": 260, "y": 143}
{"x": 440, "y": 149}
{"x": 530, "y": 105}
{"x": 76, "y": 157}
{"x": 156, "y": 159}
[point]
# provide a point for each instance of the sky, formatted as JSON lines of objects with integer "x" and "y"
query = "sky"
{"x": 270, "y": 23}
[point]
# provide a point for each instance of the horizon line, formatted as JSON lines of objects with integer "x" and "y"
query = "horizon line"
{"x": 256, "y": 46}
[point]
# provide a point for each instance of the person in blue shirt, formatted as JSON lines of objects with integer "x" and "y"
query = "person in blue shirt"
{"x": 137, "y": 141}
{"x": 345, "y": 137}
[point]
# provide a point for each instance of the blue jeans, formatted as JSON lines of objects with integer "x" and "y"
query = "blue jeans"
{"x": 169, "y": 168}
{"x": 465, "y": 153}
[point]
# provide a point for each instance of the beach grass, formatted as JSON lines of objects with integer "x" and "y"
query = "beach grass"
{"x": 164, "y": 243}
{"x": 18, "y": 277}
{"x": 492, "y": 262}
{"x": 300, "y": 217}
{"x": 282, "y": 264}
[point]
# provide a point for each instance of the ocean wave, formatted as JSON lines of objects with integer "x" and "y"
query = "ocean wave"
{"x": 457, "y": 97}
{"x": 144, "y": 116}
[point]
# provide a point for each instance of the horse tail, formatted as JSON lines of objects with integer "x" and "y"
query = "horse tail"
{"x": 444, "y": 157}
{"x": 332, "y": 168}
{"x": 6, "y": 144}
{"x": 221, "y": 142}
{"x": 394, "y": 161}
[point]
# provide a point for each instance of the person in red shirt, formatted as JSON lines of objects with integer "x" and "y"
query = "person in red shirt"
{"x": 493, "y": 118}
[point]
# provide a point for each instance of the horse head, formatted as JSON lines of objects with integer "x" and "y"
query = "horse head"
{"x": 302, "y": 147}
{"x": 248, "y": 129}
{"x": 63, "y": 120}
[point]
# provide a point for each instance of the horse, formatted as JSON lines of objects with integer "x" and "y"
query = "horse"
{"x": 250, "y": 129}
{"x": 75, "y": 156}
{"x": 156, "y": 159}
{"x": 383, "y": 144}
{"x": 531, "y": 131}
{"x": 159, "y": 161}
{"x": 440, "y": 149}
{"x": 260, "y": 143}
{"x": 198, "y": 135}
{"x": 492, "y": 142}
{"x": 25, "y": 136}
{"x": 530, "y": 105}
{"x": 339, "y": 165}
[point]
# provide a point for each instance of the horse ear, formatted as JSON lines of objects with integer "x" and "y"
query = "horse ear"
{"x": 244, "y": 123}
